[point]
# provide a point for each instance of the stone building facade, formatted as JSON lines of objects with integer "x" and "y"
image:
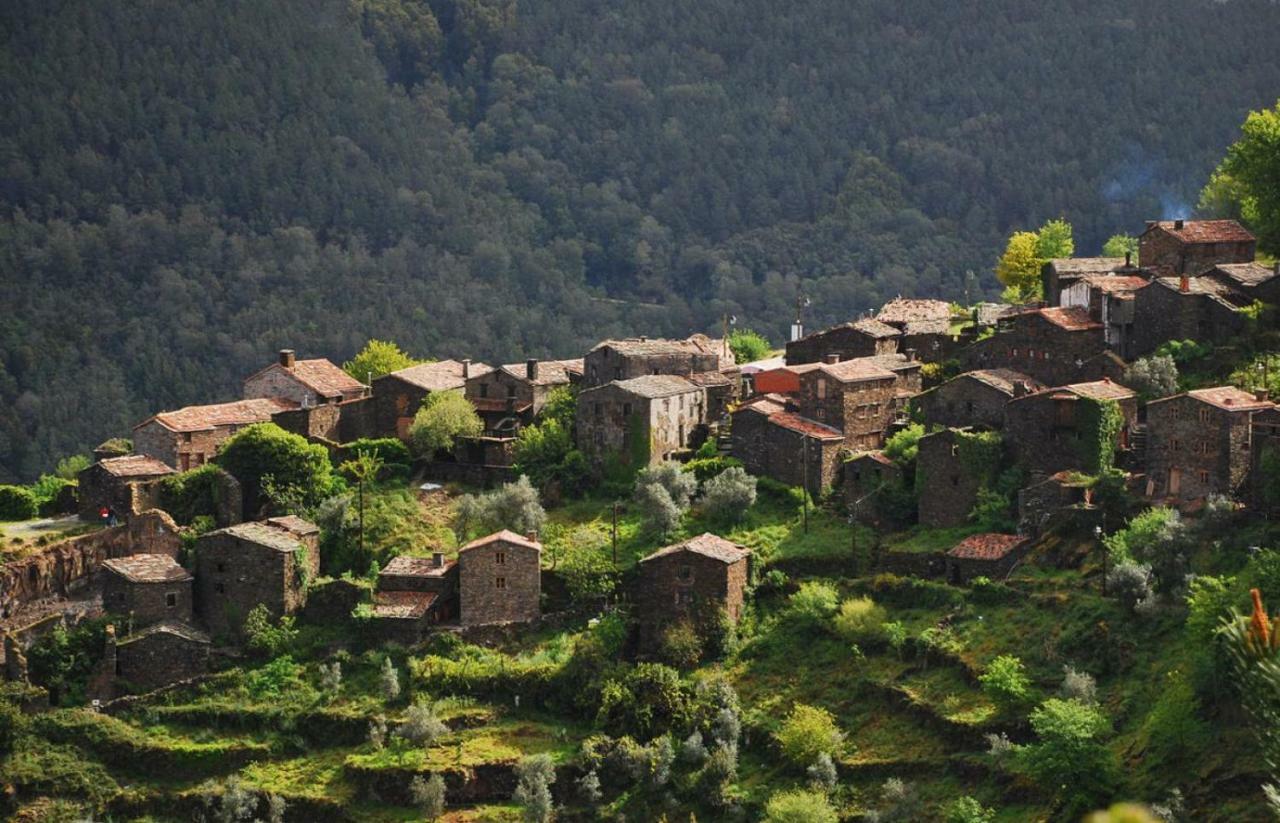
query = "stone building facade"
{"x": 190, "y": 437}
{"x": 250, "y": 563}
{"x": 987, "y": 555}
{"x": 113, "y": 483}
{"x": 1049, "y": 345}
{"x": 147, "y": 588}
{"x": 1200, "y": 443}
{"x": 861, "y": 338}
{"x": 1175, "y": 247}
{"x": 1110, "y": 300}
{"x": 1185, "y": 308}
{"x": 858, "y": 397}
{"x": 947, "y": 486}
{"x": 430, "y": 575}
{"x": 1051, "y": 430}
{"x": 688, "y": 581}
{"x": 161, "y": 654}
{"x": 398, "y": 396}
{"x": 1252, "y": 280}
{"x": 499, "y": 580}
{"x": 1059, "y": 275}
{"x": 613, "y": 360}
{"x": 869, "y": 477}
{"x": 653, "y": 416}
{"x": 509, "y": 397}
{"x": 974, "y": 399}
{"x": 304, "y": 382}
{"x": 1264, "y": 490}
{"x": 780, "y": 444}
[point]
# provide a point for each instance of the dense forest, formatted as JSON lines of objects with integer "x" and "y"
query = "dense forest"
{"x": 186, "y": 187}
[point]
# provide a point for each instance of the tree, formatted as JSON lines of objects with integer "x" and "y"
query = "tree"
{"x": 1005, "y": 681}
{"x": 1130, "y": 583}
{"x": 1019, "y": 267}
{"x": 588, "y": 573}
{"x": 727, "y": 496}
{"x": 1054, "y": 241}
{"x": 1153, "y": 377}
{"x": 515, "y": 506}
{"x": 903, "y": 446}
{"x": 1078, "y": 685}
{"x": 378, "y": 357}
{"x": 428, "y": 795}
{"x": 264, "y": 638}
{"x": 69, "y": 468}
{"x": 389, "y": 680}
{"x": 799, "y": 806}
{"x": 747, "y": 346}
{"x": 545, "y": 453}
{"x": 969, "y": 810}
{"x": 17, "y": 503}
{"x": 1250, "y": 173}
{"x": 860, "y": 620}
{"x": 264, "y": 455}
{"x": 1069, "y": 757}
{"x": 1119, "y": 245}
{"x": 822, "y": 774}
{"x": 662, "y": 494}
{"x": 363, "y": 469}
{"x": 422, "y": 725}
{"x": 814, "y": 601}
{"x": 445, "y": 417}
{"x": 331, "y": 678}
{"x": 534, "y": 776}
{"x": 806, "y": 732}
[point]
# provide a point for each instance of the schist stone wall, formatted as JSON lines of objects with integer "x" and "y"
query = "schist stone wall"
{"x": 1195, "y": 449}
{"x": 677, "y": 585}
{"x": 235, "y": 572}
{"x": 771, "y": 450}
{"x": 963, "y": 401}
{"x": 161, "y": 655}
{"x": 1162, "y": 313}
{"x": 182, "y": 450}
{"x": 149, "y": 601}
{"x": 948, "y": 489}
{"x": 611, "y": 419}
{"x": 861, "y": 410}
{"x": 841, "y": 342}
{"x": 499, "y": 581}
{"x": 1039, "y": 349}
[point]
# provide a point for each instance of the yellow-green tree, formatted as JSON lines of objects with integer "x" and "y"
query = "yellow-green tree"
{"x": 1247, "y": 183}
{"x": 378, "y": 357}
{"x": 1025, "y": 255}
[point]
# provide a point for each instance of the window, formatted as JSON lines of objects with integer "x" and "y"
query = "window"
{"x": 684, "y": 598}
{"x": 968, "y": 407}
{"x": 684, "y": 574}
{"x": 599, "y": 411}
{"x": 617, "y": 372}
{"x": 220, "y": 588}
{"x": 1044, "y": 355}
{"x": 500, "y": 558}
{"x": 186, "y": 437}
{"x": 1031, "y": 353}
{"x": 221, "y": 567}
{"x": 199, "y": 458}
{"x": 120, "y": 596}
{"x": 499, "y": 582}
{"x": 666, "y": 404}
{"x": 511, "y": 391}
{"x": 1175, "y": 445}
{"x": 171, "y": 599}
{"x": 484, "y": 389}
{"x": 1013, "y": 352}
{"x": 1175, "y": 413}
{"x": 1204, "y": 415}
{"x": 1204, "y": 476}
{"x": 955, "y": 480}
{"x": 626, "y": 409}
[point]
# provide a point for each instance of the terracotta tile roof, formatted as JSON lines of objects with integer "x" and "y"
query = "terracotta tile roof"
{"x": 908, "y": 310}
{"x": 1206, "y": 231}
{"x": 858, "y": 370}
{"x": 707, "y": 545}
{"x": 148, "y": 568}
{"x": 1069, "y": 318}
{"x": 171, "y": 627}
{"x": 402, "y": 605}
{"x": 1101, "y": 390}
{"x": 1002, "y": 380}
{"x": 236, "y": 413}
{"x": 134, "y": 465}
{"x": 1247, "y": 275}
{"x": 263, "y": 535}
{"x": 406, "y": 566}
{"x": 1230, "y": 398}
{"x": 1207, "y": 287}
{"x": 656, "y": 385}
{"x": 986, "y": 546}
{"x": 444, "y": 375}
{"x": 294, "y": 524}
{"x": 499, "y": 404}
{"x": 1075, "y": 267}
{"x": 710, "y": 378}
{"x": 766, "y": 404}
{"x": 324, "y": 378}
{"x": 877, "y": 456}
{"x": 1115, "y": 283}
{"x": 550, "y": 372}
{"x": 803, "y": 425}
{"x": 504, "y": 536}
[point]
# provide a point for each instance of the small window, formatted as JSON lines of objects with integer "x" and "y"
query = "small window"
{"x": 617, "y": 372}
{"x": 500, "y": 558}
{"x": 1204, "y": 476}
{"x": 186, "y": 437}
{"x": 499, "y": 582}
{"x": 599, "y": 410}
{"x": 220, "y": 588}
{"x": 120, "y": 596}
{"x": 1013, "y": 352}
{"x": 626, "y": 409}
{"x": 1204, "y": 415}
{"x": 222, "y": 567}
{"x": 484, "y": 389}
{"x": 955, "y": 480}
{"x": 171, "y": 599}
{"x": 684, "y": 574}
{"x": 1031, "y": 353}
{"x": 511, "y": 391}
{"x": 1175, "y": 444}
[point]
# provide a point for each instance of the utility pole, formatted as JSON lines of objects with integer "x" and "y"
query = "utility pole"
{"x": 804, "y": 501}
{"x": 615, "y": 534}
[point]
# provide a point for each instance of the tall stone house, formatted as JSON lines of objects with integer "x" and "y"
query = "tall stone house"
{"x": 250, "y": 563}
{"x": 772, "y": 441}
{"x": 974, "y": 399}
{"x": 304, "y": 383}
{"x": 147, "y": 588}
{"x": 1058, "y": 429}
{"x": 861, "y": 338}
{"x": 868, "y": 478}
{"x": 1061, "y": 274}
{"x": 687, "y": 581}
{"x": 1205, "y": 309}
{"x": 1200, "y": 442}
{"x": 511, "y": 396}
{"x": 190, "y": 437}
{"x": 858, "y": 397}
{"x": 613, "y": 360}
{"x": 646, "y": 418}
{"x": 398, "y": 396}
{"x": 1176, "y": 247}
{"x": 113, "y": 483}
{"x": 925, "y": 326}
{"x": 499, "y": 580}
{"x": 948, "y": 479}
{"x": 1051, "y": 345}
{"x": 160, "y": 654}
{"x": 1110, "y": 300}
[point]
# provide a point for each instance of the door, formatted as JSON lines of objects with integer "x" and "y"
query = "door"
{"x": 1175, "y": 482}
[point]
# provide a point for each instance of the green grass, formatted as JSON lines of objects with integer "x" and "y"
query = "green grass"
{"x": 920, "y": 540}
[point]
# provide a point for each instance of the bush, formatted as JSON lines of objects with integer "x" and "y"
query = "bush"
{"x": 1175, "y": 733}
{"x": 192, "y": 494}
{"x": 705, "y": 468}
{"x": 422, "y": 725}
{"x": 814, "y": 602}
{"x": 392, "y": 451}
{"x": 748, "y": 346}
{"x": 647, "y": 701}
{"x": 515, "y": 506}
{"x": 544, "y": 452}
{"x": 1005, "y": 681}
{"x": 823, "y": 775}
{"x": 1153, "y": 377}
{"x": 799, "y": 806}
{"x": 264, "y": 638}
{"x": 903, "y": 447}
{"x": 1069, "y": 758}
{"x": 428, "y": 795}
{"x": 680, "y": 645}
{"x": 377, "y": 358}
{"x": 265, "y": 458}
{"x": 969, "y": 810}
{"x": 727, "y": 496}
{"x": 679, "y": 484}
{"x": 535, "y": 775}
{"x": 860, "y": 620}
{"x": 659, "y": 512}
{"x": 1078, "y": 685}
{"x": 17, "y": 503}
{"x": 1130, "y": 583}
{"x": 808, "y": 731}
{"x": 445, "y": 417}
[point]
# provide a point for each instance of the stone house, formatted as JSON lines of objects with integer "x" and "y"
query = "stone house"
{"x": 1252, "y": 280}
{"x": 147, "y": 588}
{"x": 773, "y": 442}
{"x": 398, "y": 396}
{"x": 861, "y": 338}
{"x": 511, "y": 396}
{"x": 1175, "y": 247}
{"x": 650, "y": 417}
{"x": 687, "y": 581}
{"x": 113, "y": 483}
{"x": 722, "y": 389}
{"x": 1051, "y": 345}
{"x": 1044, "y": 501}
{"x": 973, "y": 399}
{"x": 986, "y": 555}
{"x": 1060, "y": 274}
{"x": 868, "y": 477}
{"x": 902, "y": 311}
{"x": 613, "y": 360}
{"x": 1201, "y": 442}
{"x": 925, "y": 326}
{"x": 160, "y": 654}
{"x": 250, "y": 563}
{"x": 1109, "y": 299}
{"x": 1058, "y": 429}
{"x": 499, "y": 580}
{"x": 304, "y": 382}
{"x": 858, "y": 397}
{"x": 190, "y": 437}
{"x": 1186, "y": 308}
{"x": 434, "y": 576}
{"x": 949, "y": 474}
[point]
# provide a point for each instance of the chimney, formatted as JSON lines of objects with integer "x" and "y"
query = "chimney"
{"x": 831, "y": 358}
{"x": 437, "y": 559}
{"x": 1178, "y": 224}
{"x": 287, "y": 358}
{"x": 532, "y": 537}
{"x": 1262, "y": 395}
{"x": 1020, "y": 388}
{"x": 466, "y": 368}
{"x": 911, "y": 355}
{"x": 1184, "y": 285}
{"x": 531, "y": 368}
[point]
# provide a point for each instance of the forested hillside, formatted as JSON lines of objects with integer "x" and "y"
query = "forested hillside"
{"x": 187, "y": 187}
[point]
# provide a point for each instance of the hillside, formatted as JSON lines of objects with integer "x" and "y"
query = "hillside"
{"x": 185, "y": 189}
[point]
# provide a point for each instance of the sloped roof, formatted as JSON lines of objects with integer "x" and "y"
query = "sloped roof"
{"x": 320, "y": 375}
{"x": 406, "y": 566}
{"x": 710, "y": 378}
{"x": 443, "y": 375}
{"x": 765, "y": 404}
{"x": 1071, "y": 318}
{"x": 877, "y": 456}
{"x": 1002, "y": 380}
{"x": 868, "y": 326}
{"x": 1115, "y": 283}
{"x": 402, "y": 605}
{"x": 707, "y": 545}
{"x": 917, "y": 327}
{"x": 803, "y": 425}
{"x": 550, "y": 372}
{"x": 1206, "y": 231}
{"x": 768, "y": 364}
{"x": 986, "y": 546}
{"x": 910, "y": 310}
{"x": 1229, "y": 398}
{"x": 134, "y": 465}
{"x": 1206, "y": 287}
{"x": 656, "y": 385}
{"x": 1081, "y": 266}
{"x": 857, "y": 370}
{"x": 147, "y": 568}
{"x": 693, "y": 344}
{"x": 895, "y": 362}
{"x": 263, "y": 535}
{"x": 235, "y": 413}
{"x": 504, "y": 536}
{"x": 294, "y": 524}
{"x": 1101, "y": 390}
{"x": 171, "y": 627}
{"x": 1247, "y": 275}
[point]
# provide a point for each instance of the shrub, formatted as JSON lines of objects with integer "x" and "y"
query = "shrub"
{"x": 1175, "y": 733}
{"x": 1078, "y": 685}
{"x": 422, "y": 725}
{"x": 1153, "y": 377}
{"x": 589, "y": 788}
{"x": 192, "y": 494}
{"x": 389, "y": 681}
{"x": 377, "y": 358}
{"x": 901, "y": 801}
{"x": 703, "y": 468}
{"x": 860, "y": 620}
{"x": 392, "y": 451}
{"x": 69, "y": 467}
{"x": 716, "y": 779}
{"x": 799, "y": 806}
{"x": 428, "y": 795}
{"x": 1005, "y": 681}
{"x": 588, "y": 573}
{"x": 17, "y": 503}
{"x": 807, "y": 732}
{"x": 1069, "y": 758}
{"x": 729, "y": 495}
{"x": 822, "y": 774}
{"x": 659, "y": 512}
{"x": 647, "y": 701}
{"x": 445, "y": 417}
{"x": 693, "y": 750}
{"x": 662, "y": 754}
{"x": 679, "y": 484}
{"x": 968, "y": 810}
{"x": 1130, "y": 583}
{"x": 264, "y": 638}
{"x": 680, "y": 645}
{"x": 748, "y": 346}
{"x": 515, "y": 506}
{"x": 264, "y": 457}
{"x": 905, "y": 445}
{"x": 534, "y": 776}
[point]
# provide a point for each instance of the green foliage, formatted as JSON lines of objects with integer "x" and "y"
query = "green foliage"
{"x": 265, "y": 637}
{"x": 799, "y": 806}
{"x": 1006, "y": 682}
{"x": 729, "y": 495}
{"x": 662, "y": 496}
{"x": 903, "y": 447}
{"x": 545, "y": 453}
{"x": 1100, "y": 422}
{"x": 1118, "y": 245}
{"x": 378, "y": 357}
{"x": 647, "y": 701}
{"x": 1153, "y": 377}
{"x": 706, "y": 467}
{"x": 428, "y": 795}
{"x": 1026, "y": 253}
{"x": 392, "y": 451}
{"x": 264, "y": 455}
{"x": 1159, "y": 538}
{"x": 969, "y": 810}
{"x": 515, "y": 506}
{"x": 747, "y": 346}
{"x": 1184, "y": 352}
{"x": 814, "y": 602}
{"x": 860, "y": 620}
{"x": 69, "y": 467}
{"x": 46, "y": 491}
{"x": 191, "y": 494}
{"x": 680, "y": 645}
{"x": 445, "y": 417}
{"x": 806, "y": 732}
{"x": 1069, "y": 758}
{"x": 587, "y": 570}
{"x": 1176, "y": 735}
{"x": 63, "y": 660}
{"x": 1247, "y": 177}
{"x": 17, "y": 503}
